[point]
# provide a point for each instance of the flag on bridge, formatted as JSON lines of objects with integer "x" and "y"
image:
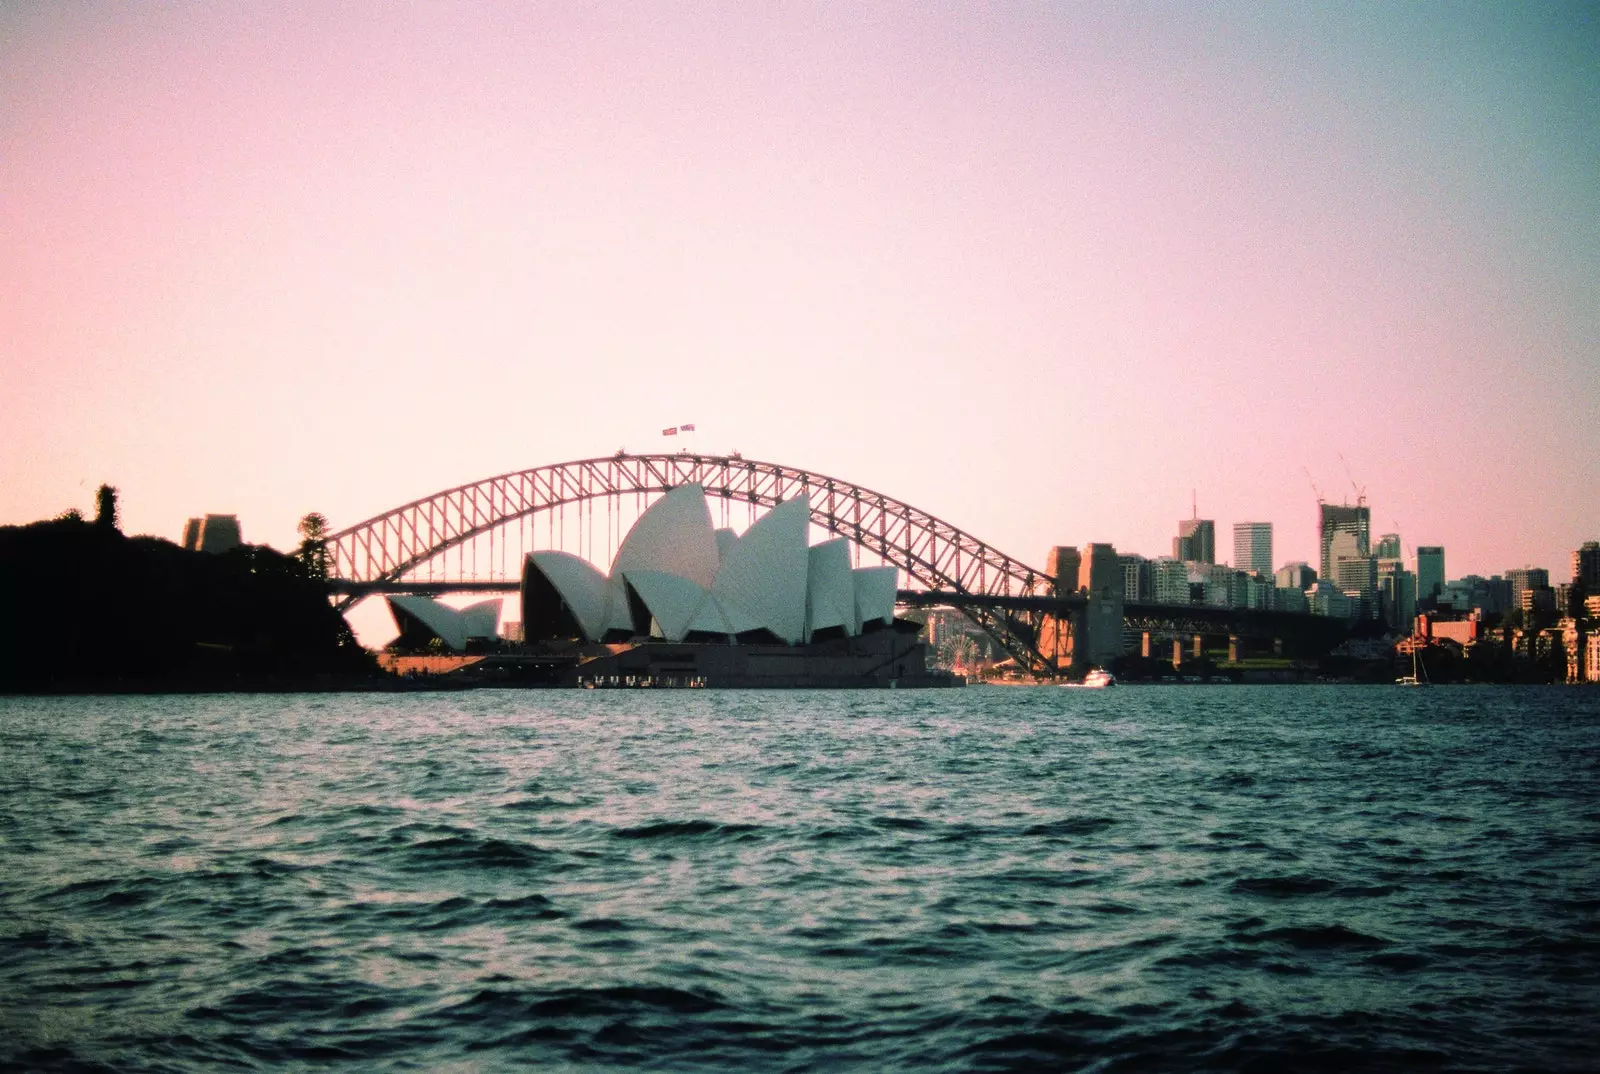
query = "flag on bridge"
{"x": 671, "y": 430}
{"x": 686, "y": 428}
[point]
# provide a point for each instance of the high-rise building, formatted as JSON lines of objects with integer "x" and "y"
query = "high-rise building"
{"x": 1388, "y": 546}
{"x": 1252, "y": 547}
{"x": 1342, "y": 518}
{"x": 1294, "y": 575}
{"x": 1196, "y": 541}
{"x": 1430, "y": 571}
{"x": 1397, "y": 589}
{"x": 1586, "y": 566}
{"x": 1169, "y": 580}
{"x": 1530, "y": 579}
{"x": 1356, "y": 576}
{"x": 1135, "y": 577}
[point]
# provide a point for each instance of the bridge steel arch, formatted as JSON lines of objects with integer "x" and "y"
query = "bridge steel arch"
{"x": 934, "y": 554}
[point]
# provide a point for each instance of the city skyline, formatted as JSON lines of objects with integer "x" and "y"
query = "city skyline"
{"x": 272, "y": 261}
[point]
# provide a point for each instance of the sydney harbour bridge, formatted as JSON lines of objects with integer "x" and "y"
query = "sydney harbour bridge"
{"x": 473, "y": 538}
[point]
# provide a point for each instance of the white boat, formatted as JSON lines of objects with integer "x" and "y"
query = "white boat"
{"x": 1097, "y": 679}
{"x": 1411, "y": 679}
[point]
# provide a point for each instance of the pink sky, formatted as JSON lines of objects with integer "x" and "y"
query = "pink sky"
{"x": 1038, "y": 269}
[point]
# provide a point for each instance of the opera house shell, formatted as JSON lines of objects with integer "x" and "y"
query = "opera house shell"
{"x": 678, "y": 578}
{"x": 420, "y": 619}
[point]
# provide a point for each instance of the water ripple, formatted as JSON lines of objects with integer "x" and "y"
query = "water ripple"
{"x": 1317, "y": 878}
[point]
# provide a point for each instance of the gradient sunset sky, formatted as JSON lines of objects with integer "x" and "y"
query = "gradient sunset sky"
{"x": 1040, "y": 269}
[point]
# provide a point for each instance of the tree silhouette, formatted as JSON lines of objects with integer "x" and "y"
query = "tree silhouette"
{"x": 105, "y": 508}
{"x": 313, "y": 544}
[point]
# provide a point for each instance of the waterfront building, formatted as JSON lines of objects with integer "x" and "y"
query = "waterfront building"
{"x": 1135, "y": 578}
{"x": 1295, "y": 575}
{"x": 1430, "y": 571}
{"x": 1342, "y": 518}
{"x": 676, "y": 578}
{"x": 1252, "y": 547}
{"x": 1586, "y": 567}
{"x": 1325, "y": 598}
{"x": 1258, "y": 591}
{"x": 1289, "y": 599}
{"x": 1526, "y": 579}
{"x": 1196, "y": 541}
{"x": 1397, "y": 591}
{"x": 1169, "y": 580}
{"x": 1591, "y": 658}
{"x": 1356, "y": 576}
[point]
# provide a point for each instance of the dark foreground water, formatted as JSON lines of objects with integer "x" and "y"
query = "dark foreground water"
{"x": 1142, "y": 878}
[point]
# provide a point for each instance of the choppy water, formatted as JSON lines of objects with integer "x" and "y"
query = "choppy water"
{"x": 1143, "y": 878}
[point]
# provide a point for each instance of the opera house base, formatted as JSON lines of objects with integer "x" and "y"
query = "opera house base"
{"x": 882, "y": 659}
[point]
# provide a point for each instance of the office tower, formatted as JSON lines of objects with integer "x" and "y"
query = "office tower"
{"x": 1586, "y": 567}
{"x": 1397, "y": 587}
{"x": 1355, "y": 575}
{"x": 1337, "y": 518}
{"x": 1388, "y": 546}
{"x": 1252, "y": 547}
{"x": 1062, "y": 565}
{"x": 1135, "y": 577}
{"x": 1430, "y": 571}
{"x": 1196, "y": 541}
{"x": 1529, "y": 579}
{"x": 1169, "y": 580}
{"x": 1294, "y": 575}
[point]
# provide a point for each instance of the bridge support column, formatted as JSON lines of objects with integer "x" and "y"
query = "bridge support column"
{"x": 1144, "y": 645}
{"x": 1233, "y": 648}
{"x": 1277, "y": 646}
{"x": 1199, "y": 646}
{"x": 1177, "y": 652}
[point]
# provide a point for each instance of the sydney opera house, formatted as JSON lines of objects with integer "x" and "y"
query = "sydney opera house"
{"x": 676, "y": 578}
{"x": 687, "y": 602}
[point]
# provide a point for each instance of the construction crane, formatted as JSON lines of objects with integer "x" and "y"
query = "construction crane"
{"x": 1361, "y": 492}
{"x": 1320, "y": 498}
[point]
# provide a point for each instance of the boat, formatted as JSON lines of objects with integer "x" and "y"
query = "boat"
{"x": 1411, "y": 679}
{"x": 1097, "y": 679}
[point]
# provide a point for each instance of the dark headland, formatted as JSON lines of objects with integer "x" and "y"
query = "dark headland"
{"x": 85, "y": 609}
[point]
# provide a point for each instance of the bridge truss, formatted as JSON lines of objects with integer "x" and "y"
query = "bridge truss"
{"x": 934, "y": 555}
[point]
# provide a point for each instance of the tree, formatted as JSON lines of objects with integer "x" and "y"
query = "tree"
{"x": 105, "y": 508}
{"x": 314, "y": 545}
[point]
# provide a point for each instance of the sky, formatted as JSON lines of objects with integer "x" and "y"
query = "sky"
{"x": 1046, "y": 271}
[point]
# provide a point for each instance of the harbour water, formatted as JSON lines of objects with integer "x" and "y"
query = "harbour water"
{"x": 1314, "y": 877}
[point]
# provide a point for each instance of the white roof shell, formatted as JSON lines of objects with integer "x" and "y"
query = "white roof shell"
{"x": 579, "y": 584}
{"x": 875, "y": 593}
{"x": 765, "y": 574}
{"x": 673, "y": 536}
{"x": 693, "y": 578}
{"x": 830, "y": 589}
{"x": 453, "y": 625}
{"x": 673, "y": 601}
